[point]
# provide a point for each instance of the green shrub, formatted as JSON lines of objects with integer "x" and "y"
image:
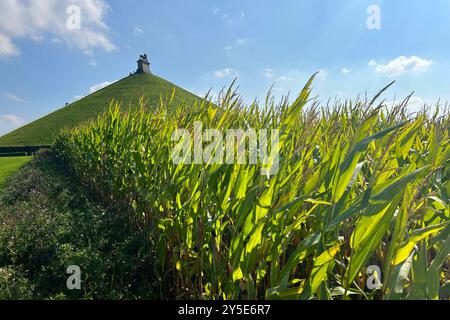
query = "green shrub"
{"x": 14, "y": 285}
{"x": 48, "y": 222}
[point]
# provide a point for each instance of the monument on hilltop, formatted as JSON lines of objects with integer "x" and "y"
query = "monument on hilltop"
{"x": 143, "y": 64}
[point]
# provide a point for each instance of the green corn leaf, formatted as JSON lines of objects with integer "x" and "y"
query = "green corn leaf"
{"x": 319, "y": 271}
{"x": 366, "y": 237}
{"x": 348, "y": 167}
{"x": 399, "y": 276}
{"x": 433, "y": 279}
{"x": 419, "y": 275}
{"x": 404, "y": 252}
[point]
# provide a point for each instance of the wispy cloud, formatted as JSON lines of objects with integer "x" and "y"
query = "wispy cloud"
{"x": 100, "y": 86}
{"x": 226, "y": 72}
{"x": 11, "y": 97}
{"x": 11, "y": 120}
{"x": 296, "y": 75}
{"x": 415, "y": 104}
{"x": 241, "y": 41}
{"x": 345, "y": 71}
{"x": 137, "y": 31}
{"x": 282, "y": 77}
{"x": 286, "y": 82}
{"x": 216, "y": 11}
{"x": 285, "y": 78}
{"x": 238, "y": 43}
{"x": 76, "y": 98}
{"x": 229, "y": 17}
{"x": 170, "y": 36}
{"x": 268, "y": 73}
{"x": 7, "y": 47}
{"x": 401, "y": 65}
{"x": 95, "y": 88}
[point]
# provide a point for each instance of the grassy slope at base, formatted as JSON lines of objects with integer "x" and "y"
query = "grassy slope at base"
{"x": 126, "y": 91}
{"x": 9, "y": 165}
{"x": 48, "y": 222}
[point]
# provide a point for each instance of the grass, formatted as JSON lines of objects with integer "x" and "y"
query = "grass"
{"x": 127, "y": 91}
{"x": 358, "y": 185}
{"x": 9, "y": 165}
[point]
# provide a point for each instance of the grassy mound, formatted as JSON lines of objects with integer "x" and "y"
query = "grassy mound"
{"x": 127, "y": 91}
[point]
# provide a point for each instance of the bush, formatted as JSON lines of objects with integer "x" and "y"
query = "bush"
{"x": 14, "y": 285}
{"x": 48, "y": 223}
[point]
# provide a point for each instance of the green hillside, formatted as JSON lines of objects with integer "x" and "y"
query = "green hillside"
{"x": 125, "y": 91}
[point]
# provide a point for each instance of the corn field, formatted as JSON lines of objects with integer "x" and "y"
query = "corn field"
{"x": 359, "y": 185}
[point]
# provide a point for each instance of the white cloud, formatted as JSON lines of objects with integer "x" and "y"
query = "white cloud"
{"x": 11, "y": 120}
{"x": 229, "y": 18}
{"x": 238, "y": 43}
{"x": 279, "y": 91}
{"x": 372, "y": 63}
{"x": 225, "y": 73}
{"x": 100, "y": 86}
{"x": 93, "y": 63}
{"x": 95, "y": 88}
{"x": 268, "y": 73}
{"x": 88, "y": 53}
{"x": 291, "y": 75}
{"x": 137, "y": 31}
{"x": 299, "y": 76}
{"x": 290, "y": 82}
{"x": 36, "y": 19}
{"x": 11, "y": 97}
{"x": 7, "y": 48}
{"x": 401, "y": 65}
{"x": 415, "y": 103}
{"x": 285, "y": 78}
{"x": 241, "y": 41}
{"x": 345, "y": 71}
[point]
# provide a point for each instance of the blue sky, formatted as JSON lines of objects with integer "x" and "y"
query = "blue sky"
{"x": 203, "y": 44}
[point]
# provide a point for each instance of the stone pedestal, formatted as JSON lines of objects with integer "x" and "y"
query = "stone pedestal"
{"x": 143, "y": 66}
